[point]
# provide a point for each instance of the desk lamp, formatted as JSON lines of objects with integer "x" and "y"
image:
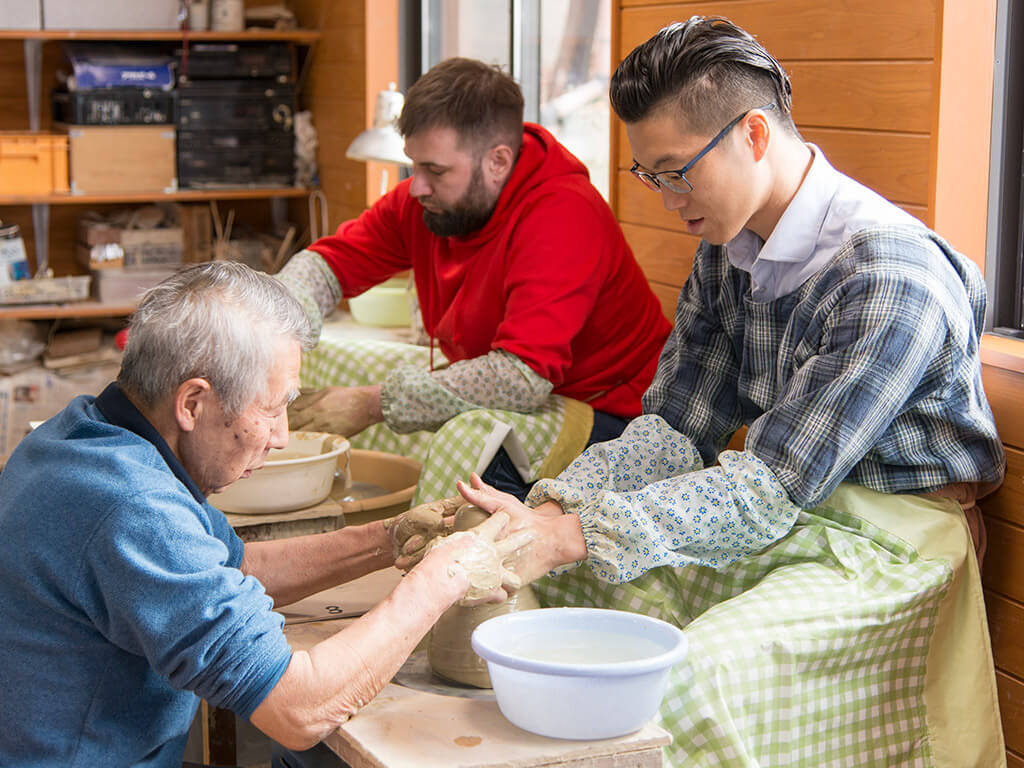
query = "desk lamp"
{"x": 382, "y": 143}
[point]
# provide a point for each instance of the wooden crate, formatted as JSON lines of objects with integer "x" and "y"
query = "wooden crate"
{"x": 121, "y": 159}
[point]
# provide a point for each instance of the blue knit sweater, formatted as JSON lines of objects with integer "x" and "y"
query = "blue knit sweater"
{"x": 121, "y": 598}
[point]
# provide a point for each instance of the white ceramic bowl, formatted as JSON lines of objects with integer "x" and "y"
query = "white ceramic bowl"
{"x": 578, "y": 673}
{"x": 295, "y": 477}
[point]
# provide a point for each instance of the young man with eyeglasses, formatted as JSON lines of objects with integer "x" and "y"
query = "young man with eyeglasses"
{"x": 825, "y": 574}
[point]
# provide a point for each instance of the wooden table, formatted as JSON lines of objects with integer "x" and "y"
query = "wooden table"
{"x": 407, "y": 728}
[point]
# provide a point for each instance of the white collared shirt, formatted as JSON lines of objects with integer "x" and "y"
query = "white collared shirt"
{"x": 828, "y": 208}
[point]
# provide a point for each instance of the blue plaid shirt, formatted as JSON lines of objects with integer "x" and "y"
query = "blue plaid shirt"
{"x": 868, "y": 373}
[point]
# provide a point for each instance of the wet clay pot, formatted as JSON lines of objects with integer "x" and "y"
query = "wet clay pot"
{"x": 448, "y": 650}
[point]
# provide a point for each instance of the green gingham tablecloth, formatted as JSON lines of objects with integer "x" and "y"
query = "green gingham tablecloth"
{"x": 465, "y": 444}
{"x": 859, "y": 639}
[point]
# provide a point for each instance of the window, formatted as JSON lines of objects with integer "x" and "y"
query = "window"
{"x": 558, "y": 50}
{"x": 1004, "y": 260}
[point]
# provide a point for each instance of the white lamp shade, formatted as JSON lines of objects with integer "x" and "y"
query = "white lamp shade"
{"x": 382, "y": 143}
{"x": 379, "y": 144}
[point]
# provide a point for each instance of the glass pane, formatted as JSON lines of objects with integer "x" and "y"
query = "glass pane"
{"x": 476, "y": 29}
{"x": 575, "y": 59}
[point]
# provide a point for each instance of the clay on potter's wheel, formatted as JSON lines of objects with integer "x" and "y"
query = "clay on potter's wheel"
{"x": 449, "y": 650}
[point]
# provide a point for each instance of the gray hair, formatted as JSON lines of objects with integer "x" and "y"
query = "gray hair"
{"x": 218, "y": 321}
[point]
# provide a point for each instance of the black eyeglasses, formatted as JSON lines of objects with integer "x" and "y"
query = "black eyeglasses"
{"x": 676, "y": 180}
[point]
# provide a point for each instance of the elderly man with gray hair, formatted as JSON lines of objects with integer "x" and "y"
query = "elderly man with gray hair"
{"x": 124, "y": 594}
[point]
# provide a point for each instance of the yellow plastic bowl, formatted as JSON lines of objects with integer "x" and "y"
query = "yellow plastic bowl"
{"x": 386, "y": 305}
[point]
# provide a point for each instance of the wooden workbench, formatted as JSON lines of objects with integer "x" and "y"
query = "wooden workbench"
{"x": 407, "y": 728}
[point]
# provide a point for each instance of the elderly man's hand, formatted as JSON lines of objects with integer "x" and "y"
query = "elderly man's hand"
{"x": 340, "y": 410}
{"x": 480, "y": 556}
{"x": 411, "y": 531}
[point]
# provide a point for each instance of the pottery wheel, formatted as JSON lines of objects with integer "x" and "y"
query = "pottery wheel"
{"x": 416, "y": 673}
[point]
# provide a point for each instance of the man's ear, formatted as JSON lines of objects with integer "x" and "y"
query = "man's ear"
{"x": 758, "y": 133}
{"x": 498, "y": 163}
{"x": 190, "y": 399}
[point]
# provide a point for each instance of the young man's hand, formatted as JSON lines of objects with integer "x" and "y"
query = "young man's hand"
{"x": 555, "y": 538}
{"x": 481, "y": 555}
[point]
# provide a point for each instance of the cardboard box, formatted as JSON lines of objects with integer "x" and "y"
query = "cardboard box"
{"x": 36, "y": 394}
{"x": 109, "y": 14}
{"x": 163, "y": 246}
{"x": 121, "y": 159}
{"x": 21, "y": 14}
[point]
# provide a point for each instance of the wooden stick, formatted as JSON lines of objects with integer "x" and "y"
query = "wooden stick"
{"x": 227, "y": 227}
{"x": 216, "y": 221}
{"x": 282, "y": 252}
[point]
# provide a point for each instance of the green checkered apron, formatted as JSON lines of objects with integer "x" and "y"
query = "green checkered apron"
{"x": 465, "y": 444}
{"x": 859, "y": 639}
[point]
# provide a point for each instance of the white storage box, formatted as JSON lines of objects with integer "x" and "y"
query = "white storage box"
{"x": 110, "y": 14}
{"x": 123, "y": 286}
{"x": 45, "y": 290}
{"x": 21, "y": 14}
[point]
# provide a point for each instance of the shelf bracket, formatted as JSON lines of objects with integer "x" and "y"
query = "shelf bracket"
{"x": 33, "y": 86}
{"x": 34, "y": 80}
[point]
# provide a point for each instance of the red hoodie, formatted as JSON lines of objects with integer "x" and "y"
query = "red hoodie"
{"x": 549, "y": 279}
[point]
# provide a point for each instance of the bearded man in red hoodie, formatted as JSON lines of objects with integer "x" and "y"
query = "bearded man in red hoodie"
{"x": 524, "y": 279}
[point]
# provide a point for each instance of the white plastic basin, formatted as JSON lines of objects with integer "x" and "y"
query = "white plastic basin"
{"x": 578, "y": 673}
{"x": 295, "y": 477}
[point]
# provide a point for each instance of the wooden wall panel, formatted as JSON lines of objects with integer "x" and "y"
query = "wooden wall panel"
{"x": 871, "y": 95}
{"x": 1006, "y": 626}
{"x": 1008, "y": 502}
{"x": 667, "y": 296}
{"x": 1004, "y": 560}
{"x": 893, "y": 164}
{"x": 1004, "y": 389}
{"x": 1011, "y": 710}
{"x": 664, "y": 256}
{"x": 807, "y": 29}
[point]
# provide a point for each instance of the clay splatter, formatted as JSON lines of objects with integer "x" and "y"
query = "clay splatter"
{"x": 467, "y": 741}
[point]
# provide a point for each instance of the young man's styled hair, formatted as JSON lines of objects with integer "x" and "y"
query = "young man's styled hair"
{"x": 707, "y": 70}
{"x": 480, "y": 102}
